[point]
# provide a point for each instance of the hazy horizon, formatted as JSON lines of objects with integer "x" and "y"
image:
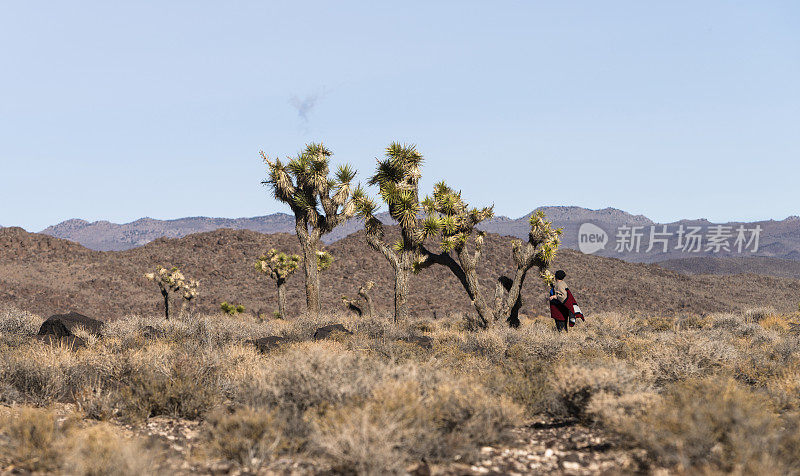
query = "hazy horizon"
{"x": 288, "y": 213}
{"x": 674, "y": 110}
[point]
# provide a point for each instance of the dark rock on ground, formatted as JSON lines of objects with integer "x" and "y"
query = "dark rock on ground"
{"x": 325, "y": 331}
{"x": 423, "y": 341}
{"x": 70, "y": 342}
{"x": 264, "y": 344}
{"x": 63, "y": 325}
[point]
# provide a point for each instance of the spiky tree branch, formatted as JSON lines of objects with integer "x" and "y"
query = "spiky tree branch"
{"x": 397, "y": 178}
{"x": 451, "y": 219}
{"x": 319, "y": 202}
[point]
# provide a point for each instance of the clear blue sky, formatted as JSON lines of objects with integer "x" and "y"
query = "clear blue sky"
{"x": 670, "y": 109}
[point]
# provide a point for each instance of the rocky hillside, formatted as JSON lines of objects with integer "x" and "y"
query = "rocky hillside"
{"x": 777, "y": 239}
{"x": 731, "y": 266}
{"x": 45, "y": 275}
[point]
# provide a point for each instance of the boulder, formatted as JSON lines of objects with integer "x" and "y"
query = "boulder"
{"x": 70, "y": 342}
{"x": 63, "y": 325}
{"x": 423, "y": 341}
{"x": 264, "y": 344}
{"x": 325, "y": 331}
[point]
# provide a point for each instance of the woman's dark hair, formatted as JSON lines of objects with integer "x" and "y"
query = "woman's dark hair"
{"x": 560, "y": 274}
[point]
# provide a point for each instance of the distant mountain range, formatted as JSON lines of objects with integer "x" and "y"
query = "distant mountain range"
{"x": 777, "y": 240}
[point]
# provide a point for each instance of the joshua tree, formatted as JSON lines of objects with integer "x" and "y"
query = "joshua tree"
{"x": 363, "y": 293}
{"x": 397, "y": 178}
{"x": 172, "y": 280}
{"x": 319, "y": 204}
{"x": 279, "y": 266}
{"x": 450, "y": 218}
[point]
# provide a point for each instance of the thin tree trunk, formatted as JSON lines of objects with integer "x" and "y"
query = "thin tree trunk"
{"x": 166, "y": 303}
{"x": 282, "y": 299}
{"x": 368, "y": 300}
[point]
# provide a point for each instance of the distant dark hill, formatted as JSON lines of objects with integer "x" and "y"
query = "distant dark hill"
{"x": 778, "y": 239}
{"x": 728, "y": 266}
{"x": 48, "y": 275}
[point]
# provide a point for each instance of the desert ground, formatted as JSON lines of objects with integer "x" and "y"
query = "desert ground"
{"x": 670, "y": 373}
{"x": 709, "y": 394}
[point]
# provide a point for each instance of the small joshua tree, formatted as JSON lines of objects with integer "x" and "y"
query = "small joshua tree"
{"x": 279, "y": 266}
{"x": 450, "y": 218}
{"x": 363, "y": 293}
{"x": 397, "y": 178}
{"x": 172, "y": 280}
{"x": 319, "y": 204}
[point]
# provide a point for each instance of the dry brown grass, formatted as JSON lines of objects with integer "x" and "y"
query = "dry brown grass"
{"x": 716, "y": 393}
{"x": 38, "y": 440}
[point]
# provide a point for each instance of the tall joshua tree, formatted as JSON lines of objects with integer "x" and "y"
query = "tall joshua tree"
{"x": 397, "y": 177}
{"x": 319, "y": 204}
{"x": 454, "y": 222}
{"x": 172, "y": 280}
{"x": 279, "y": 266}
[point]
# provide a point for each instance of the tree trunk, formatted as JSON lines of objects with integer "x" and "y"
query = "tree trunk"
{"x": 309, "y": 240}
{"x": 313, "y": 306}
{"x": 368, "y": 300}
{"x": 282, "y": 299}
{"x": 165, "y": 293}
{"x": 469, "y": 267}
{"x": 401, "y": 281}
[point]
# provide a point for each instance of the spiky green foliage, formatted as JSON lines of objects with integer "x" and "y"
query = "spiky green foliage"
{"x": 324, "y": 260}
{"x": 303, "y": 183}
{"x": 397, "y": 178}
{"x": 231, "y": 309}
{"x": 453, "y": 222}
{"x": 277, "y": 265}
{"x": 320, "y": 203}
{"x": 173, "y": 281}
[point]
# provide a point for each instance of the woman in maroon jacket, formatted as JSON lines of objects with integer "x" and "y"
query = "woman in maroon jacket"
{"x": 563, "y": 307}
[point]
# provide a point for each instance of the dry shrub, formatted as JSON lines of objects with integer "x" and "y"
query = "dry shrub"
{"x": 36, "y": 440}
{"x": 100, "y": 450}
{"x": 709, "y": 423}
{"x": 574, "y": 385}
{"x": 248, "y": 436}
{"x": 775, "y": 322}
{"x": 31, "y": 436}
{"x": 180, "y": 394}
{"x": 42, "y": 373}
{"x": 759, "y": 313}
{"x": 95, "y": 401}
{"x": 524, "y": 378}
{"x": 174, "y": 384}
{"x": 616, "y": 412}
{"x": 401, "y": 422}
{"x": 14, "y": 321}
{"x": 371, "y": 438}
